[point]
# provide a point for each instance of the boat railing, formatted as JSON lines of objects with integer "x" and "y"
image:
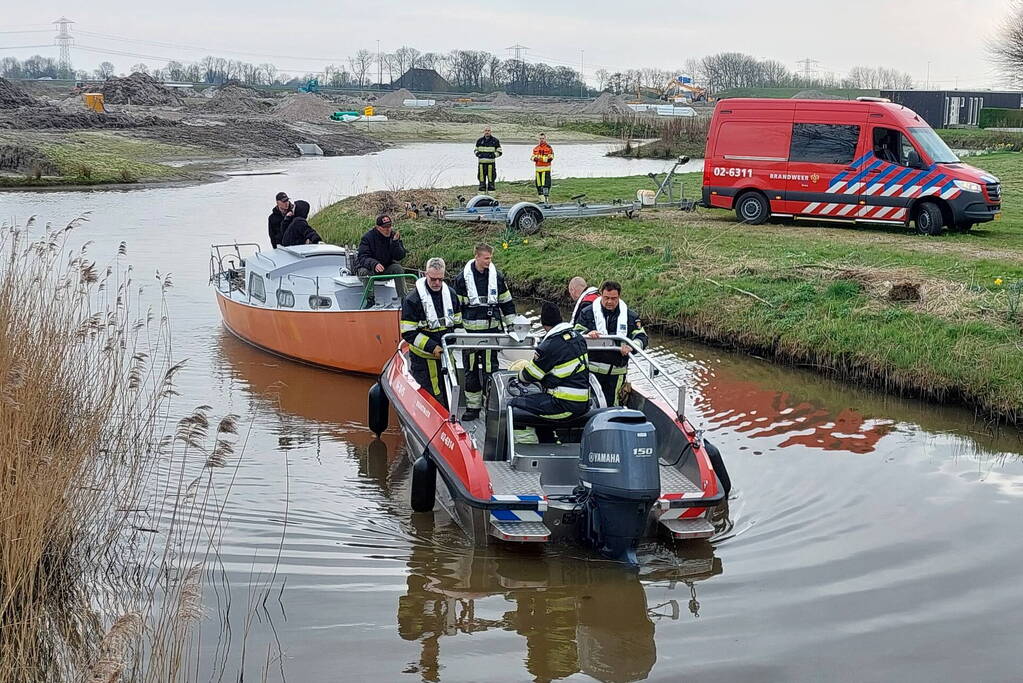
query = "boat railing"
{"x": 649, "y": 368}
{"x": 373, "y": 279}
{"x": 233, "y": 253}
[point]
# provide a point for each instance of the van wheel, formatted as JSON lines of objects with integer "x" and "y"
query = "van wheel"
{"x": 929, "y": 219}
{"x": 752, "y": 208}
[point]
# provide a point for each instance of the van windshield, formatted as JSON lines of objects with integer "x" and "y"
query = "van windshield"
{"x": 935, "y": 147}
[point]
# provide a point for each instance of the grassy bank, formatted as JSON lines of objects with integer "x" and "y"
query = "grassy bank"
{"x": 99, "y": 158}
{"x": 985, "y": 140}
{"x": 809, "y": 294}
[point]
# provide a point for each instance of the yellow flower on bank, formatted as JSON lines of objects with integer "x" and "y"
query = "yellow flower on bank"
{"x": 998, "y": 281}
{"x": 504, "y": 245}
{"x": 525, "y": 241}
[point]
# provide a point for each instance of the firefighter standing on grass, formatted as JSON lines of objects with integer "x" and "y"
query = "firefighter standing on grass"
{"x": 487, "y": 306}
{"x": 543, "y": 155}
{"x": 429, "y": 312}
{"x": 488, "y": 148}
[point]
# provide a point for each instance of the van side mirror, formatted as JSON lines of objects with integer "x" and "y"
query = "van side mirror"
{"x": 913, "y": 160}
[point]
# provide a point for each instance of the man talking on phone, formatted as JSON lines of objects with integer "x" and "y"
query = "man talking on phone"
{"x": 279, "y": 218}
{"x": 379, "y": 253}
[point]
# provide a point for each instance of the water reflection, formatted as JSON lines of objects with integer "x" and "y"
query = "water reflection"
{"x": 573, "y": 615}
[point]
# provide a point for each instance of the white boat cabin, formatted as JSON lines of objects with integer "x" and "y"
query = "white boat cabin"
{"x": 307, "y": 277}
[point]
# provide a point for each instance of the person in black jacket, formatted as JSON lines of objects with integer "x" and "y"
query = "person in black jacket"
{"x": 429, "y": 312}
{"x": 488, "y": 148}
{"x": 379, "y": 253}
{"x": 561, "y": 369}
{"x": 298, "y": 230}
{"x": 279, "y": 218}
{"x": 609, "y": 316}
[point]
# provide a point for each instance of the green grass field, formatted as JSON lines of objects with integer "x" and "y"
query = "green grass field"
{"x": 811, "y": 294}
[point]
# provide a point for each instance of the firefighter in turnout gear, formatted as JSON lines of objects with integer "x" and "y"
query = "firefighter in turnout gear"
{"x": 609, "y": 315}
{"x": 429, "y": 312}
{"x": 560, "y": 368}
{"x": 487, "y": 306}
{"x": 542, "y": 157}
{"x": 488, "y": 148}
{"x": 582, "y": 294}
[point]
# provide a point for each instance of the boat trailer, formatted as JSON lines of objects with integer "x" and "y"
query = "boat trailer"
{"x": 526, "y": 217}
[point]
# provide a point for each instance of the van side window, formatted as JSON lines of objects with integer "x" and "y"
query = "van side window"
{"x": 256, "y": 288}
{"x": 892, "y": 146}
{"x": 824, "y": 143}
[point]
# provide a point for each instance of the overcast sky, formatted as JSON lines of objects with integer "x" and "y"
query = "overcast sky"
{"x": 950, "y": 35}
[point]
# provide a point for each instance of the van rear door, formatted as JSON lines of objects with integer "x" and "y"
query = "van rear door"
{"x": 828, "y": 162}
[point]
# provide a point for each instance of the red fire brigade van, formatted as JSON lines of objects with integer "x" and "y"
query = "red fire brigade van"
{"x": 863, "y": 161}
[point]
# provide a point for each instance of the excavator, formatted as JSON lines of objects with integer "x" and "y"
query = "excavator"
{"x": 681, "y": 88}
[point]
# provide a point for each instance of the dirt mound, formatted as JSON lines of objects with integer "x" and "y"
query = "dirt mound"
{"x": 57, "y": 118}
{"x": 607, "y": 104}
{"x": 237, "y": 99}
{"x": 304, "y": 106}
{"x": 395, "y": 99}
{"x": 25, "y": 159}
{"x": 449, "y": 114}
{"x": 395, "y": 204}
{"x": 12, "y": 96}
{"x": 813, "y": 95}
{"x": 503, "y": 99}
{"x": 139, "y": 88}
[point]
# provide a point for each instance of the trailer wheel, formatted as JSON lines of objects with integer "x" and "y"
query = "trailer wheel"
{"x": 528, "y": 221}
{"x": 752, "y": 208}
{"x": 929, "y": 219}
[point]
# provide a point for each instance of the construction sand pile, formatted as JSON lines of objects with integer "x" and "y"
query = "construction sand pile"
{"x": 12, "y": 96}
{"x": 503, "y": 99}
{"x": 607, "y": 104}
{"x": 236, "y": 99}
{"x": 139, "y": 89}
{"x": 395, "y": 99}
{"x": 303, "y": 106}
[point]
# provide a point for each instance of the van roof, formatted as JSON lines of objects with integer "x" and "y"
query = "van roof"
{"x": 887, "y": 111}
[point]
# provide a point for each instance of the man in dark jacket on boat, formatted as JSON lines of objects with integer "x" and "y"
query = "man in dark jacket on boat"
{"x": 430, "y": 311}
{"x": 379, "y": 253}
{"x": 298, "y": 230}
{"x": 606, "y": 316}
{"x": 560, "y": 368}
{"x": 487, "y": 306}
{"x": 279, "y": 218}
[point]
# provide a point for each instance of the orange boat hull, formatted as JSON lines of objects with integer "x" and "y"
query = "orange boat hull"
{"x": 353, "y": 341}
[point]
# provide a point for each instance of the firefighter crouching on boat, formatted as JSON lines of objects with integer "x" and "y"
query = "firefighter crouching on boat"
{"x": 609, "y": 315}
{"x": 560, "y": 368}
{"x": 487, "y": 306}
{"x": 488, "y": 148}
{"x": 430, "y": 311}
{"x": 542, "y": 157}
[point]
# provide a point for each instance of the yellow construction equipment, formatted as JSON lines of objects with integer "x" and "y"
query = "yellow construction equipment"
{"x": 94, "y": 101}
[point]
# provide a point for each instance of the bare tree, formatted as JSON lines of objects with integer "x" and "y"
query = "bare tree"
{"x": 105, "y": 70}
{"x": 360, "y": 65}
{"x": 1007, "y": 50}
{"x": 271, "y": 72}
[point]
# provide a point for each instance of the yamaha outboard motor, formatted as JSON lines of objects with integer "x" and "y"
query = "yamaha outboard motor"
{"x": 619, "y": 471}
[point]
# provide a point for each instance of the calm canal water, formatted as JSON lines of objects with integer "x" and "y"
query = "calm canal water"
{"x": 873, "y": 539}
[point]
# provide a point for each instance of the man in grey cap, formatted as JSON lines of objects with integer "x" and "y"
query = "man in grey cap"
{"x": 379, "y": 253}
{"x": 279, "y": 218}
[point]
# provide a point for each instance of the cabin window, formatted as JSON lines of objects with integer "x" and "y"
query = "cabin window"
{"x": 319, "y": 301}
{"x": 824, "y": 143}
{"x": 256, "y": 288}
{"x": 285, "y": 298}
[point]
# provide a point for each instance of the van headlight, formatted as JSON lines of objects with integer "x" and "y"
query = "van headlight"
{"x": 967, "y": 186}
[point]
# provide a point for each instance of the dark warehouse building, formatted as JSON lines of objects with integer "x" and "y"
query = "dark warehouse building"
{"x": 953, "y": 108}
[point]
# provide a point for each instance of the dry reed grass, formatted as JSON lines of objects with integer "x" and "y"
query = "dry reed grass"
{"x": 85, "y": 380}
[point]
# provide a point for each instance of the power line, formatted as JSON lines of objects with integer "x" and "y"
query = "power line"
{"x": 37, "y": 30}
{"x": 208, "y": 50}
{"x": 24, "y": 47}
